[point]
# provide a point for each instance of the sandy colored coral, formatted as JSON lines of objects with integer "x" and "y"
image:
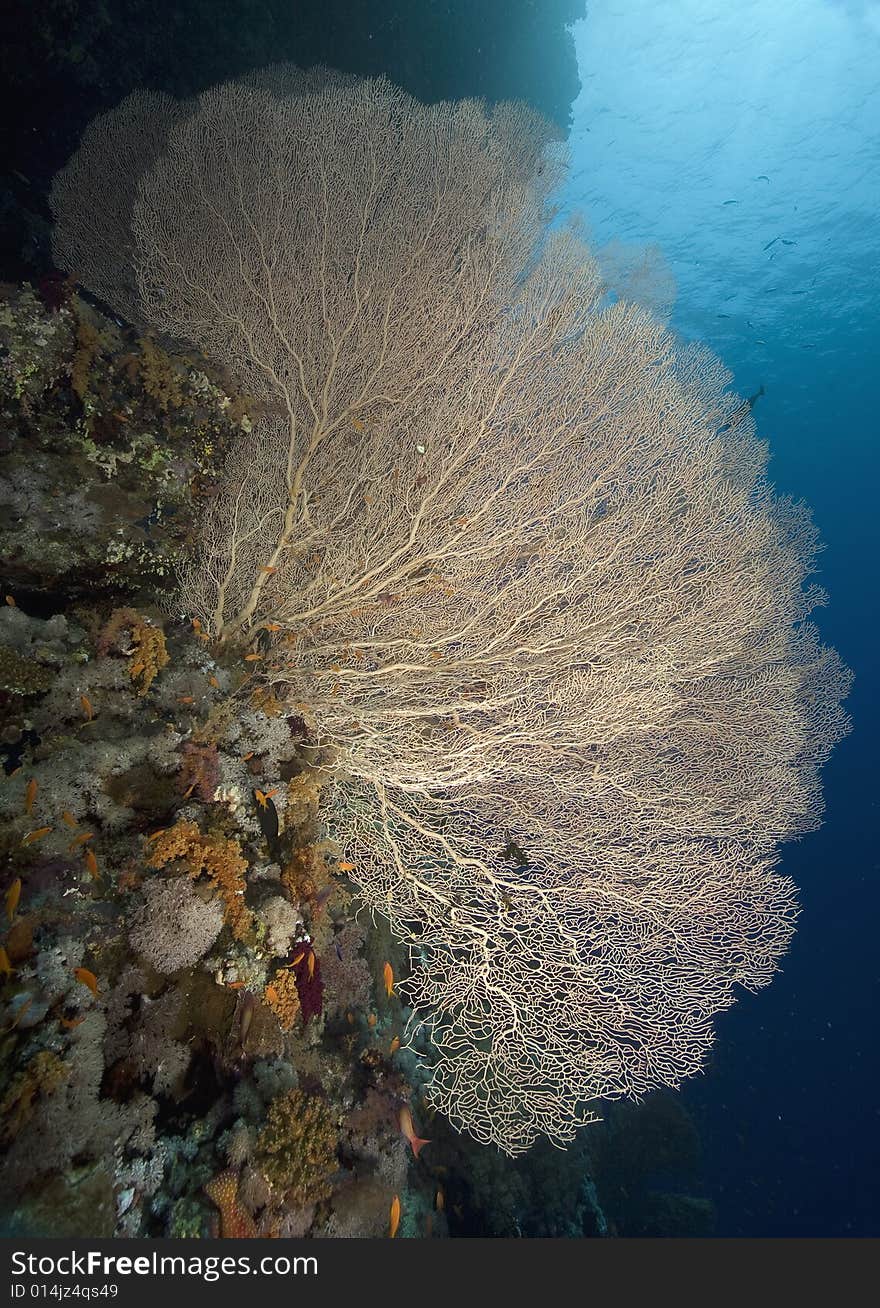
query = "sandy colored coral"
{"x": 140, "y": 638}
{"x": 42, "y": 1076}
{"x": 282, "y": 997}
{"x": 89, "y": 344}
{"x": 149, "y": 657}
{"x": 296, "y": 1150}
{"x": 214, "y": 855}
{"x": 160, "y": 378}
{"x": 304, "y": 796}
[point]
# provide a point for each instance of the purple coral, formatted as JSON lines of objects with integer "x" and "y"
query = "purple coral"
{"x": 346, "y": 973}
{"x": 199, "y": 771}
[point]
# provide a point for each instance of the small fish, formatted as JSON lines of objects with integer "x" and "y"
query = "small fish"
{"x": 212, "y": 681}
{"x": 357, "y": 424}
{"x": 769, "y": 243}
{"x": 347, "y": 867}
{"x": 156, "y": 835}
{"x": 267, "y": 568}
{"x": 388, "y": 974}
{"x": 394, "y": 1221}
{"x": 5, "y": 962}
{"x": 311, "y": 964}
{"x": 271, "y": 994}
{"x": 234, "y": 985}
{"x": 299, "y": 958}
{"x": 80, "y": 840}
{"x": 267, "y": 816}
{"x": 248, "y": 756}
{"x": 185, "y": 699}
{"x": 87, "y": 707}
{"x": 248, "y": 1008}
{"x": 86, "y": 978}
{"x": 731, "y": 202}
{"x": 320, "y": 900}
{"x": 395, "y": 1045}
{"x": 30, "y": 795}
{"x": 68, "y": 819}
{"x": 785, "y": 242}
{"x": 762, "y": 177}
{"x": 439, "y": 1200}
{"x": 10, "y": 601}
{"x": 36, "y": 835}
{"x": 372, "y": 1019}
{"x": 416, "y": 1143}
{"x": 91, "y": 865}
{"x": 70, "y": 1022}
{"x": 272, "y": 626}
{"x": 252, "y": 658}
{"x": 13, "y": 895}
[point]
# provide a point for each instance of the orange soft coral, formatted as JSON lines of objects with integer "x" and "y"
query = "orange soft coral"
{"x": 283, "y": 998}
{"x": 236, "y": 1222}
{"x": 217, "y": 857}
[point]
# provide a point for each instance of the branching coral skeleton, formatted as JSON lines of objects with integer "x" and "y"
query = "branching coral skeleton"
{"x": 511, "y": 554}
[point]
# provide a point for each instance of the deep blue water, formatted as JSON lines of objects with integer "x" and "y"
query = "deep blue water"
{"x": 684, "y": 108}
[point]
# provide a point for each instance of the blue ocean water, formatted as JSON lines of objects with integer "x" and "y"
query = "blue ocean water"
{"x": 744, "y": 141}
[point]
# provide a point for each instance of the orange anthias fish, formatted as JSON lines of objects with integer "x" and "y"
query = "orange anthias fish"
{"x": 440, "y": 1199}
{"x": 395, "y": 1045}
{"x": 416, "y": 1143}
{"x": 86, "y": 978}
{"x": 388, "y": 974}
{"x": 347, "y": 867}
{"x": 311, "y": 964}
{"x": 394, "y": 1221}
{"x": 13, "y": 895}
{"x": 68, "y": 819}
{"x": 92, "y": 865}
{"x": 36, "y": 835}
{"x": 87, "y": 707}
{"x": 5, "y": 962}
{"x": 80, "y": 840}
{"x": 30, "y": 795}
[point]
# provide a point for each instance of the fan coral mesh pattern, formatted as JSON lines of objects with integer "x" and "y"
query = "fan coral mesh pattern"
{"x": 511, "y": 556}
